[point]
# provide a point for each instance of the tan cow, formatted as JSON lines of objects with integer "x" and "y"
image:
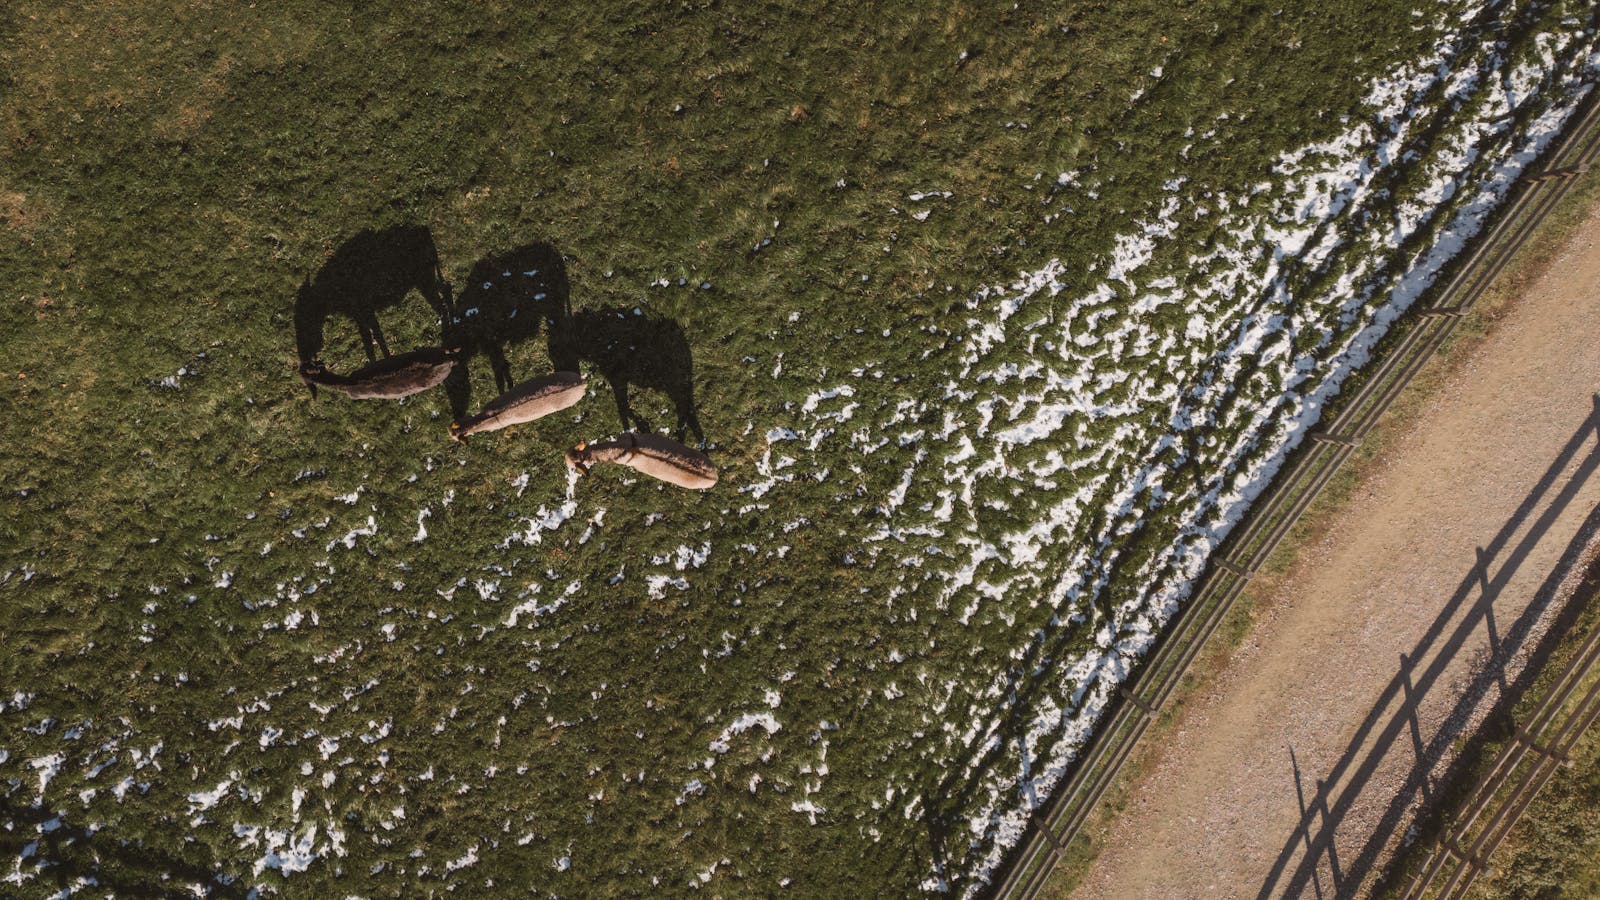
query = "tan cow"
{"x": 526, "y": 402}
{"x": 387, "y": 379}
{"x": 652, "y": 454}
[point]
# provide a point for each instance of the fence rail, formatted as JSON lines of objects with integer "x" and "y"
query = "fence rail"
{"x": 1541, "y": 743}
{"x": 1061, "y": 820}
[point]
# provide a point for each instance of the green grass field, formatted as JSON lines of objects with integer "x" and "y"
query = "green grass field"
{"x": 254, "y": 639}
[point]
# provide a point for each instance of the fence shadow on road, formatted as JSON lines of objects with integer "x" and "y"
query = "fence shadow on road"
{"x": 1309, "y": 850}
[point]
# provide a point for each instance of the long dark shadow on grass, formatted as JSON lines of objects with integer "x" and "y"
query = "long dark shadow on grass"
{"x": 372, "y": 271}
{"x": 1360, "y": 764}
{"x": 506, "y": 299}
{"x": 1025, "y": 680}
{"x": 957, "y": 789}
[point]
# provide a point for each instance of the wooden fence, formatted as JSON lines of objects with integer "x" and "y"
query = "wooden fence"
{"x": 1541, "y": 742}
{"x": 1061, "y": 820}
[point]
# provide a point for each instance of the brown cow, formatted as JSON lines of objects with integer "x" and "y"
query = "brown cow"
{"x": 652, "y": 454}
{"x": 526, "y": 402}
{"x": 387, "y": 379}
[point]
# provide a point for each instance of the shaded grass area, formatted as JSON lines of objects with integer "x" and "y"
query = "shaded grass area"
{"x": 172, "y": 175}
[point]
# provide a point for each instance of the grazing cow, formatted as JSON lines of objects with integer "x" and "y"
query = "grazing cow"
{"x": 652, "y": 454}
{"x": 630, "y": 348}
{"x": 373, "y": 270}
{"x": 526, "y": 402}
{"x": 388, "y": 379}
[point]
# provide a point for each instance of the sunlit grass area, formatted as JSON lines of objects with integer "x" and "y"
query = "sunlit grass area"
{"x": 259, "y": 639}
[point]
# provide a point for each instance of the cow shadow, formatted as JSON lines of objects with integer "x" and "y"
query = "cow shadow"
{"x": 631, "y": 349}
{"x": 373, "y": 270}
{"x": 504, "y": 301}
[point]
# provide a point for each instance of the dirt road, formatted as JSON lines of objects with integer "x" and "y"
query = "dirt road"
{"x": 1297, "y": 773}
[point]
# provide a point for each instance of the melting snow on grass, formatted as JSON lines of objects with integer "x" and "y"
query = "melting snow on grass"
{"x": 1099, "y": 400}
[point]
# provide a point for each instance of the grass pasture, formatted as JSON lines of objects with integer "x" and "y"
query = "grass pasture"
{"x": 993, "y": 312}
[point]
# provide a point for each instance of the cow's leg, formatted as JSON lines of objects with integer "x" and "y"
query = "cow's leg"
{"x": 630, "y": 419}
{"x": 501, "y": 367}
{"x": 366, "y": 339}
{"x": 377, "y": 332}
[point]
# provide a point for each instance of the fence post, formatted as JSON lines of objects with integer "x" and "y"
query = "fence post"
{"x": 1521, "y": 736}
{"x": 1326, "y": 437}
{"x": 1131, "y": 697}
{"x": 1228, "y": 565}
{"x": 1453, "y": 845}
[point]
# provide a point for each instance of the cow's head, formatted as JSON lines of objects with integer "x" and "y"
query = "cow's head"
{"x": 580, "y": 459}
{"x": 308, "y": 372}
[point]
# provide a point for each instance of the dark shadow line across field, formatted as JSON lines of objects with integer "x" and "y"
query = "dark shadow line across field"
{"x": 1029, "y": 677}
{"x": 1025, "y": 680}
{"x": 1356, "y": 766}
